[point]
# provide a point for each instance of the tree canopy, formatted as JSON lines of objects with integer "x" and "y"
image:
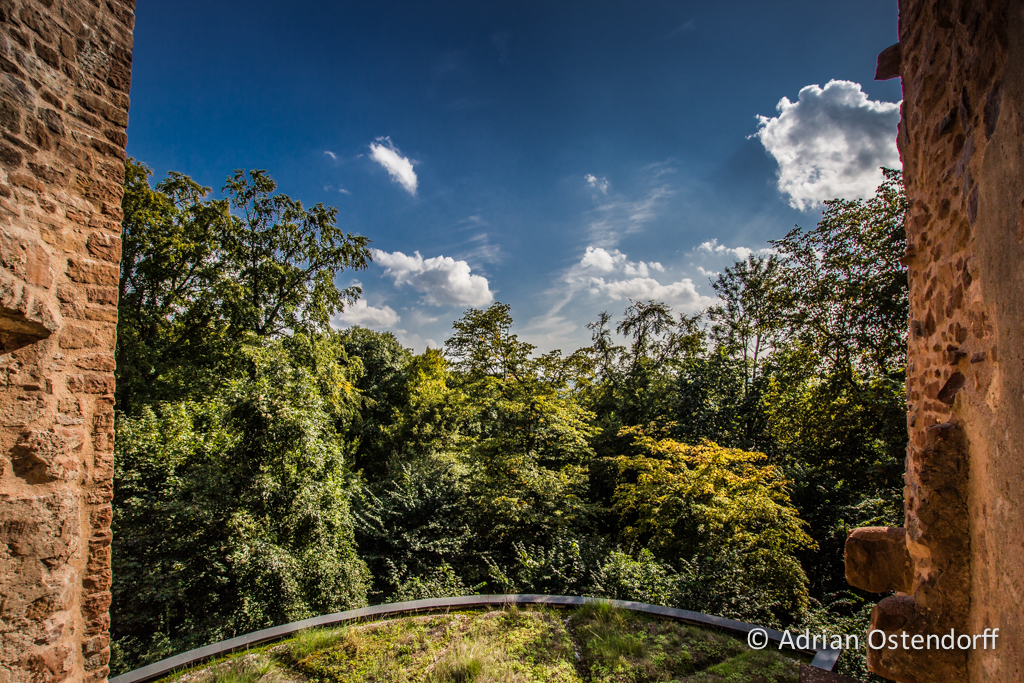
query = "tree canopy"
{"x": 271, "y": 467}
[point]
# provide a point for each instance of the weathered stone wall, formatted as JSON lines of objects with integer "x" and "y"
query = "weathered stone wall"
{"x": 65, "y": 70}
{"x": 961, "y": 140}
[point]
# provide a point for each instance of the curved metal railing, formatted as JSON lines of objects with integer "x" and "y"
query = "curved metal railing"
{"x": 824, "y": 658}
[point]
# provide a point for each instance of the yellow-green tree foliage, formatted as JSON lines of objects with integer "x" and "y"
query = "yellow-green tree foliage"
{"x": 721, "y": 510}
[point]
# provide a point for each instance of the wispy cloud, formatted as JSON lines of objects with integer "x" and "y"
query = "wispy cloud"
{"x": 332, "y": 155}
{"x": 613, "y": 276}
{"x": 602, "y": 276}
{"x": 605, "y": 261}
{"x": 600, "y": 184}
{"x": 681, "y": 295}
{"x": 482, "y": 250}
{"x": 441, "y": 279}
{"x": 500, "y": 41}
{"x": 617, "y": 217}
{"x": 398, "y": 167}
{"x": 830, "y": 143}
{"x": 687, "y": 25}
{"x": 738, "y": 253}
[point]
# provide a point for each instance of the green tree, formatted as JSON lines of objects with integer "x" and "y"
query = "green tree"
{"x": 721, "y": 509}
{"x": 170, "y": 282}
{"x": 197, "y": 280}
{"x": 847, "y": 282}
{"x": 835, "y": 402}
{"x": 231, "y": 514}
{"x": 751, "y": 316}
{"x": 282, "y": 259}
{"x": 530, "y": 434}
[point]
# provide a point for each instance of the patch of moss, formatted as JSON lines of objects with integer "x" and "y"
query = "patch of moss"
{"x": 591, "y": 644}
{"x": 619, "y": 646}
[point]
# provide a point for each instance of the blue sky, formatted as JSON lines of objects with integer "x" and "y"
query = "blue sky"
{"x": 562, "y": 157}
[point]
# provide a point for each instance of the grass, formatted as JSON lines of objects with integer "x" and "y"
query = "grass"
{"x": 594, "y": 643}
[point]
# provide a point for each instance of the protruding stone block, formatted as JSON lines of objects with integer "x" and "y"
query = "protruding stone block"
{"x": 889, "y": 62}
{"x": 877, "y": 559}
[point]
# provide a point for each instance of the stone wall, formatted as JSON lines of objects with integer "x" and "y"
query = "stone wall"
{"x": 65, "y": 70}
{"x": 959, "y": 562}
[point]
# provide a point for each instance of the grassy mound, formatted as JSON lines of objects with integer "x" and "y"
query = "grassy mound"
{"x": 594, "y": 643}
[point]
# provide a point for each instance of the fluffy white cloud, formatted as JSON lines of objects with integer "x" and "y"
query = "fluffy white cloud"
{"x": 682, "y": 295}
{"x": 598, "y": 258}
{"x": 361, "y": 313}
{"x": 738, "y": 253}
{"x": 830, "y": 143}
{"x": 601, "y": 184}
{"x": 441, "y": 279}
{"x": 397, "y": 166}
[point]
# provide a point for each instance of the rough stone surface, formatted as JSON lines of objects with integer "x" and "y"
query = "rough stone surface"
{"x": 961, "y": 140}
{"x": 65, "y": 69}
{"x": 877, "y": 560}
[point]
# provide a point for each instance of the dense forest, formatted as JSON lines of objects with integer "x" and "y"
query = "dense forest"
{"x": 270, "y": 467}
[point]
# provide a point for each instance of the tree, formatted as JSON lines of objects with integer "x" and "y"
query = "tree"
{"x": 847, "y": 283}
{"x": 835, "y": 403}
{"x": 197, "y": 281}
{"x": 231, "y": 514}
{"x": 717, "y": 508}
{"x": 751, "y": 317}
{"x": 282, "y": 259}
{"x": 530, "y": 434}
{"x": 170, "y": 281}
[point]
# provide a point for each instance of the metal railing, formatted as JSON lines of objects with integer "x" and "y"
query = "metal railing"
{"x": 824, "y": 658}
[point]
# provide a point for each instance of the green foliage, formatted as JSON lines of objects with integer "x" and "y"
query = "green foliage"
{"x": 530, "y": 435}
{"x": 283, "y": 258}
{"x": 197, "y": 280}
{"x": 270, "y": 468}
{"x": 691, "y": 503}
{"x": 846, "y": 282}
{"x": 416, "y": 523}
{"x": 170, "y": 285}
{"x": 641, "y": 579}
{"x": 231, "y": 514}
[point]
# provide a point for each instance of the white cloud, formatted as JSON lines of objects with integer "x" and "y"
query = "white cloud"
{"x": 332, "y": 155}
{"x": 830, "y": 143}
{"x": 601, "y": 259}
{"x": 682, "y": 295}
{"x": 607, "y": 275}
{"x": 441, "y": 279}
{"x": 361, "y": 313}
{"x": 687, "y": 25}
{"x": 739, "y": 253}
{"x": 398, "y": 167}
{"x": 600, "y": 184}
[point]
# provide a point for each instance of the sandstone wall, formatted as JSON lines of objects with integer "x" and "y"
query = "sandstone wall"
{"x": 959, "y": 563}
{"x": 65, "y": 70}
